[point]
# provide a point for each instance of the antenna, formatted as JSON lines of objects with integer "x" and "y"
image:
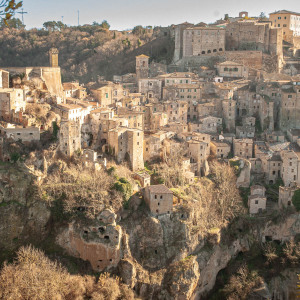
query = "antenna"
{"x": 62, "y": 19}
{"x": 78, "y": 16}
{"x": 23, "y": 13}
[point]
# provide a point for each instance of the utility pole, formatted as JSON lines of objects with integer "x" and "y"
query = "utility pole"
{"x": 78, "y": 16}
{"x": 23, "y": 13}
{"x": 62, "y": 19}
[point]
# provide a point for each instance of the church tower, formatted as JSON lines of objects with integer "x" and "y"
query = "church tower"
{"x": 142, "y": 66}
{"x": 53, "y": 56}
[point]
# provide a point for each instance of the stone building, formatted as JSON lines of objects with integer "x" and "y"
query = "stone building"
{"x": 199, "y": 41}
{"x": 74, "y": 90}
{"x": 176, "y": 111}
{"x": 151, "y": 87}
{"x": 11, "y": 100}
{"x": 4, "y": 79}
{"x": 289, "y": 22}
{"x": 257, "y": 201}
{"x": 253, "y": 35}
{"x": 142, "y": 67}
{"x": 266, "y": 113}
{"x": 143, "y": 178}
{"x": 127, "y": 144}
{"x": 229, "y": 114}
{"x": 290, "y": 167}
{"x": 272, "y": 167}
{"x": 245, "y": 131}
{"x": 290, "y": 108}
{"x": 232, "y": 69}
{"x": 243, "y": 148}
{"x": 69, "y": 137}
{"x": 286, "y": 195}
{"x": 198, "y": 152}
{"x": 220, "y": 149}
{"x": 53, "y": 57}
{"x": 159, "y": 199}
{"x": 19, "y": 133}
{"x": 179, "y": 44}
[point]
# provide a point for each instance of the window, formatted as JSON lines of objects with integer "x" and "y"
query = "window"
{"x": 256, "y": 201}
{"x": 155, "y": 197}
{"x": 138, "y": 143}
{"x": 161, "y": 196}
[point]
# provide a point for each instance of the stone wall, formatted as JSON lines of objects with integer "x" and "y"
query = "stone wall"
{"x": 252, "y": 59}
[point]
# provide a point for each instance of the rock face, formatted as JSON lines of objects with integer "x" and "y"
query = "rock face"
{"x": 285, "y": 285}
{"x": 181, "y": 278}
{"x": 98, "y": 241}
{"x": 23, "y": 217}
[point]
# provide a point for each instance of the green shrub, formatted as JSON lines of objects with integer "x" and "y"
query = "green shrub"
{"x": 296, "y": 200}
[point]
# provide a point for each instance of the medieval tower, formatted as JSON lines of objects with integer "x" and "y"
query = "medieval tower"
{"x": 142, "y": 67}
{"x": 53, "y": 56}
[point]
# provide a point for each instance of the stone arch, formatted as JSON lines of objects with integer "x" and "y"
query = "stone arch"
{"x": 208, "y": 51}
{"x": 220, "y": 49}
{"x": 203, "y": 52}
{"x": 215, "y": 50}
{"x": 243, "y": 14}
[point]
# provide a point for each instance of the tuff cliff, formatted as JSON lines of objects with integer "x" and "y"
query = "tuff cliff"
{"x": 23, "y": 216}
{"x": 160, "y": 258}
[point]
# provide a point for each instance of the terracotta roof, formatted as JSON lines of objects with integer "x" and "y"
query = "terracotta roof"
{"x": 283, "y": 11}
{"x": 160, "y": 189}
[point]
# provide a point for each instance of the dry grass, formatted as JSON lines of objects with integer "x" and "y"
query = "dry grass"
{"x": 34, "y": 276}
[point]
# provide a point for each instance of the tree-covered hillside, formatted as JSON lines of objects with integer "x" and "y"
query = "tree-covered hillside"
{"x": 84, "y": 51}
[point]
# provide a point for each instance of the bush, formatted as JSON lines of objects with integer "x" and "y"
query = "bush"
{"x": 296, "y": 200}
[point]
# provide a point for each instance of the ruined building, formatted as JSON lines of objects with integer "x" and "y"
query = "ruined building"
{"x": 69, "y": 137}
{"x": 142, "y": 67}
{"x": 127, "y": 145}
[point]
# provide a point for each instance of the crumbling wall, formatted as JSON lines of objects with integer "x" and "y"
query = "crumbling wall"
{"x": 252, "y": 59}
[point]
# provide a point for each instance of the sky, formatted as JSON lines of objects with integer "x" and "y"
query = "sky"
{"x": 125, "y": 14}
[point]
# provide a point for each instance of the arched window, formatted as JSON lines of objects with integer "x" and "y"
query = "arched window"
{"x": 203, "y": 52}
{"x": 220, "y": 49}
{"x": 208, "y": 51}
{"x": 215, "y": 50}
{"x": 226, "y": 69}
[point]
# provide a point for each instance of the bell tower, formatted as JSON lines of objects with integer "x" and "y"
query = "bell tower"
{"x": 53, "y": 56}
{"x": 142, "y": 66}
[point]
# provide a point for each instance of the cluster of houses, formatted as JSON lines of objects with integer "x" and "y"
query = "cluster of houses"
{"x": 220, "y": 112}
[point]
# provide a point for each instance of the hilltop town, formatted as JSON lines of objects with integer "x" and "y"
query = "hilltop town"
{"x": 164, "y": 176}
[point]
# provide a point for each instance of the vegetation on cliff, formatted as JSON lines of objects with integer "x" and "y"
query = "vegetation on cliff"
{"x": 34, "y": 276}
{"x": 85, "y": 52}
{"x": 79, "y": 190}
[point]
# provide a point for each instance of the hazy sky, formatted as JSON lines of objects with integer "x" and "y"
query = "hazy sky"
{"x": 124, "y": 14}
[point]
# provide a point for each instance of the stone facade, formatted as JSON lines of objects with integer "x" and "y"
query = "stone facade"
{"x": 159, "y": 199}
{"x": 127, "y": 144}
{"x": 69, "y": 137}
{"x": 11, "y": 100}
{"x": 4, "y": 79}
{"x": 290, "y": 167}
{"x": 53, "y": 56}
{"x": 289, "y": 22}
{"x": 257, "y": 201}
{"x": 199, "y": 41}
{"x": 151, "y": 87}
{"x": 243, "y": 148}
{"x": 232, "y": 69}
{"x": 19, "y": 133}
{"x": 285, "y": 196}
{"x": 142, "y": 67}
{"x": 252, "y": 35}
{"x": 220, "y": 149}
{"x": 229, "y": 114}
